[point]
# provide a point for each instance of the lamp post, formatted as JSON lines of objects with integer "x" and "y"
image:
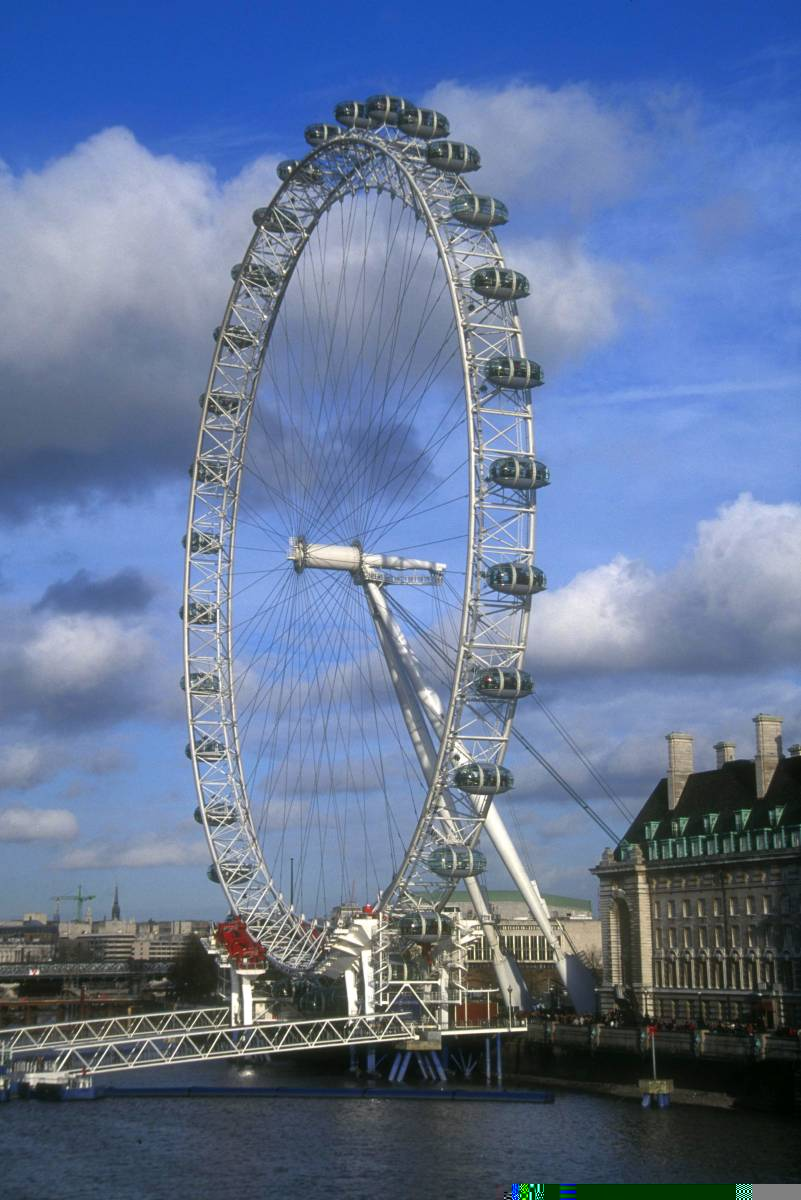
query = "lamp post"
{"x": 509, "y": 1011}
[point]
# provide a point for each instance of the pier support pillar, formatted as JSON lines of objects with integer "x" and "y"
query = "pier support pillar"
{"x": 498, "y": 1061}
{"x": 487, "y": 1062}
{"x": 438, "y": 1067}
{"x": 404, "y": 1067}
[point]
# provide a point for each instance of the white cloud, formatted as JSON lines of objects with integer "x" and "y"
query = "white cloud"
{"x": 543, "y": 147}
{"x": 733, "y": 604}
{"x": 79, "y": 652}
{"x": 123, "y": 258}
{"x": 24, "y": 765}
{"x": 150, "y": 850}
{"x": 37, "y": 825}
{"x": 575, "y": 298}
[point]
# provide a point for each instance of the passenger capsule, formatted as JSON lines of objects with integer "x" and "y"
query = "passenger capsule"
{"x": 353, "y": 115}
{"x": 424, "y": 926}
{"x": 386, "y": 110}
{"x": 221, "y": 404}
{"x": 479, "y": 212}
{"x": 255, "y": 275}
{"x": 455, "y": 861}
{"x": 206, "y": 749}
{"x": 519, "y": 471}
{"x": 423, "y": 123}
{"x": 217, "y": 813}
{"x": 235, "y": 337}
{"x": 503, "y": 683}
{"x": 514, "y": 373}
{"x": 204, "y": 683}
{"x": 276, "y": 219}
{"x": 500, "y": 283}
{"x": 231, "y": 873}
{"x": 453, "y": 156}
{"x": 516, "y": 579}
{"x": 299, "y": 171}
{"x": 201, "y": 543}
{"x": 483, "y": 779}
{"x": 318, "y": 135}
{"x": 199, "y": 614}
{"x": 210, "y": 470}
{"x": 398, "y": 968}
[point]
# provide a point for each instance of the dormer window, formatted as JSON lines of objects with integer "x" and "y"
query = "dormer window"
{"x": 710, "y": 821}
{"x": 678, "y": 825}
{"x": 775, "y": 815}
{"x": 741, "y": 819}
{"x": 650, "y": 829}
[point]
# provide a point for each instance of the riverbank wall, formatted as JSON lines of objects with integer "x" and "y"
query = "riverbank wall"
{"x": 761, "y": 1072}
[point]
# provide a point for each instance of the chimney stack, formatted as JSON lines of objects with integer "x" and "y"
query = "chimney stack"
{"x": 724, "y": 752}
{"x": 768, "y": 750}
{"x": 680, "y": 765}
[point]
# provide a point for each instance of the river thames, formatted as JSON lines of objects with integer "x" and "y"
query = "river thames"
{"x": 204, "y": 1148}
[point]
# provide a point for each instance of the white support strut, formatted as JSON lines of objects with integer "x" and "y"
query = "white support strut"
{"x": 415, "y": 697}
{"x": 575, "y": 976}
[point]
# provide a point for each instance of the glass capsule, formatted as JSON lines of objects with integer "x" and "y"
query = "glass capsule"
{"x": 500, "y": 283}
{"x": 299, "y": 171}
{"x": 217, "y": 813}
{"x": 201, "y": 543}
{"x": 455, "y": 861}
{"x": 386, "y": 110}
{"x": 204, "y": 682}
{"x": 423, "y": 123}
{"x": 353, "y": 115}
{"x": 207, "y": 749}
{"x": 256, "y": 275}
{"x": 507, "y": 372}
{"x": 210, "y": 470}
{"x": 479, "y": 212}
{"x": 231, "y": 873}
{"x": 199, "y": 614}
{"x": 516, "y": 579}
{"x": 221, "y": 403}
{"x": 503, "y": 683}
{"x": 519, "y": 471}
{"x": 319, "y": 134}
{"x": 453, "y": 156}
{"x": 275, "y": 219}
{"x": 424, "y": 926}
{"x": 483, "y": 779}
{"x": 235, "y": 337}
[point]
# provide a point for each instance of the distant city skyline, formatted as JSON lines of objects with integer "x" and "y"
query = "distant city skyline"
{"x": 650, "y": 161}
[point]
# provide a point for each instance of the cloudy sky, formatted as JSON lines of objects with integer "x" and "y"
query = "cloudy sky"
{"x": 650, "y": 157}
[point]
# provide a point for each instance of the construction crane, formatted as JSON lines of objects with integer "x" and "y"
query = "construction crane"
{"x": 80, "y": 899}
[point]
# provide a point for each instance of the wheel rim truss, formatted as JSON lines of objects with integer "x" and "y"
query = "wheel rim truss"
{"x": 494, "y": 625}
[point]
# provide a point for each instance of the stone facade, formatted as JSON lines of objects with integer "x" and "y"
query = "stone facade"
{"x": 700, "y": 903}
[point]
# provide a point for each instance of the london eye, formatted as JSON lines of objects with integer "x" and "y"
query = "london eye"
{"x": 359, "y": 563}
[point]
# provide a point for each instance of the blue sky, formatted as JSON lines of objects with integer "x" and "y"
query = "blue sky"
{"x": 650, "y": 156}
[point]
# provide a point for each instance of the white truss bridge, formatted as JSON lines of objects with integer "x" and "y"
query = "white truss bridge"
{"x": 201, "y": 1035}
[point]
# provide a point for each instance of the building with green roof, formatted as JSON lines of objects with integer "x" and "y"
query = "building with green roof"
{"x": 701, "y": 900}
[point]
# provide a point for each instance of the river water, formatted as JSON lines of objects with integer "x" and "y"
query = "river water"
{"x": 209, "y": 1148}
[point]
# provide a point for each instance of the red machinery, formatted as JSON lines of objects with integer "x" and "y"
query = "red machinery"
{"x": 241, "y": 948}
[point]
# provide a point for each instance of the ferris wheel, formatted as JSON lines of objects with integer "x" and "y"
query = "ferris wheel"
{"x": 360, "y": 544}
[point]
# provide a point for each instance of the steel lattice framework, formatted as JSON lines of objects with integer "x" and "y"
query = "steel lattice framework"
{"x": 492, "y": 627}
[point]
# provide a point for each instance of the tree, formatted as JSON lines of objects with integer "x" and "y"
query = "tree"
{"x": 193, "y": 975}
